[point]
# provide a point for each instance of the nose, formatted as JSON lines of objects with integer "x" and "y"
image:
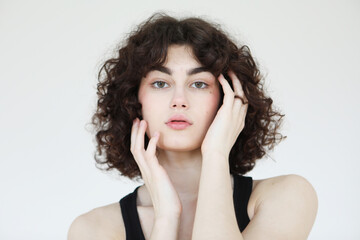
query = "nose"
{"x": 179, "y": 100}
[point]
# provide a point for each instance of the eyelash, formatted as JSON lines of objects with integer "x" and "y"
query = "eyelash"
{"x": 156, "y": 82}
{"x": 205, "y": 85}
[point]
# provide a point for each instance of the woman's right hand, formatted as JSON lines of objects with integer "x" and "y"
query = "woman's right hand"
{"x": 164, "y": 197}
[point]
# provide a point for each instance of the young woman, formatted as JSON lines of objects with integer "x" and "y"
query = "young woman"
{"x": 183, "y": 108}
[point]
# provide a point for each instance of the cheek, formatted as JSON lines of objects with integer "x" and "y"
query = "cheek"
{"x": 211, "y": 104}
{"x": 214, "y": 100}
{"x": 144, "y": 97}
{"x": 151, "y": 110}
{"x": 146, "y": 110}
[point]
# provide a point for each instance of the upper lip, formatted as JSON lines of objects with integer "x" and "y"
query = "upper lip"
{"x": 180, "y": 118}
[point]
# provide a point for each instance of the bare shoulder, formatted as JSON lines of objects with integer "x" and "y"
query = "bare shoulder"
{"x": 284, "y": 207}
{"x": 281, "y": 186}
{"x": 100, "y": 223}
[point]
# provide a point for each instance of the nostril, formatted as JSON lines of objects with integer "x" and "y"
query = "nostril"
{"x": 179, "y": 105}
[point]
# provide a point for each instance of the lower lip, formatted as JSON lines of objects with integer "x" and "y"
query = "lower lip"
{"x": 178, "y": 125}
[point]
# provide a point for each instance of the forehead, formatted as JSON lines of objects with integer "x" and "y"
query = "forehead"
{"x": 181, "y": 54}
{"x": 179, "y": 60}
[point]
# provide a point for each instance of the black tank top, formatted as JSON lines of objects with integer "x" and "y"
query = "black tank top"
{"x": 241, "y": 195}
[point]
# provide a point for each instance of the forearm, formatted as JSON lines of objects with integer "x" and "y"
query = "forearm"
{"x": 165, "y": 228}
{"x": 215, "y": 215}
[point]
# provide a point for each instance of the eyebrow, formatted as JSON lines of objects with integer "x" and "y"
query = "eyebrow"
{"x": 189, "y": 72}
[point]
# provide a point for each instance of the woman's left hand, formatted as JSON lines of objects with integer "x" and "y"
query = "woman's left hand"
{"x": 229, "y": 120}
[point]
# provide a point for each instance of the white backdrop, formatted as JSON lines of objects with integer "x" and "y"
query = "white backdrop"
{"x": 50, "y": 52}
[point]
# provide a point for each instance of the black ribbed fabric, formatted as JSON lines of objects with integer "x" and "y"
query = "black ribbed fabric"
{"x": 131, "y": 217}
{"x": 241, "y": 195}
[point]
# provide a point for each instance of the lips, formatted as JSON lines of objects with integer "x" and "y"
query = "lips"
{"x": 178, "y": 122}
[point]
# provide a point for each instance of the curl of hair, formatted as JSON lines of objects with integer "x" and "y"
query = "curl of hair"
{"x": 146, "y": 48}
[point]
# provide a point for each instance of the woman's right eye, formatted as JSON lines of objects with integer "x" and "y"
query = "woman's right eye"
{"x": 160, "y": 84}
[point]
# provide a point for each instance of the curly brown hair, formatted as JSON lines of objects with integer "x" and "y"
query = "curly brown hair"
{"x": 145, "y": 49}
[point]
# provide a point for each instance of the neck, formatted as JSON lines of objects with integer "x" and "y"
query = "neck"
{"x": 184, "y": 169}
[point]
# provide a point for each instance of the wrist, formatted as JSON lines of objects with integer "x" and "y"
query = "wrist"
{"x": 215, "y": 155}
{"x": 167, "y": 222}
{"x": 218, "y": 150}
{"x": 215, "y": 162}
{"x": 165, "y": 228}
{"x": 168, "y": 216}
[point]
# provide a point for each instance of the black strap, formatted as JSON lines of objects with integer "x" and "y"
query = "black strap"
{"x": 241, "y": 195}
{"x": 131, "y": 217}
{"x": 242, "y": 192}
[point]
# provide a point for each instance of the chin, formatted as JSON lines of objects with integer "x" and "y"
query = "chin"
{"x": 177, "y": 146}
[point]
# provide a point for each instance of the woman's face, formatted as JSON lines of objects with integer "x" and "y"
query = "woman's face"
{"x": 180, "y": 100}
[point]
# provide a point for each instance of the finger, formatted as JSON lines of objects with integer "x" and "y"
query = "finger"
{"x": 242, "y": 114}
{"x": 139, "y": 151}
{"x": 236, "y": 84}
{"x": 244, "y": 110}
{"x": 239, "y": 107}
{"x": 228, "y": 92}
{"x": 140, "y": 137}
{"x": 139, "y": 147}
{"x": 138, "y": 156}
{"x": 151, "y": 149}
{"x": 134, "y": 131}
{"x": 237, "y": 87}
{"x": 239, "y": 94}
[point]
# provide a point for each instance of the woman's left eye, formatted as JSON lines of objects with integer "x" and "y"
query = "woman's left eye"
{"x": 199, "y": 85}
